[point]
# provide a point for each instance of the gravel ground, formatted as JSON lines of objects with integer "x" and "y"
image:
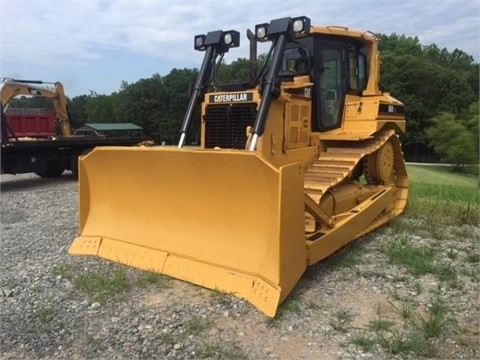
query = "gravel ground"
{"x": 45, "y": 313}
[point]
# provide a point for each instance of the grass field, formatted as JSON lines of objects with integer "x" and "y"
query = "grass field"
{"x": 440, "y": 175}
{"x": 438, "y": 193}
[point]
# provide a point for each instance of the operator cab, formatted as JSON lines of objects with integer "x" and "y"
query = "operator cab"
{"x": 336, "y": 65}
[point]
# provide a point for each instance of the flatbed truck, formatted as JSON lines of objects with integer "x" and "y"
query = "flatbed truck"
{"x": 48, "y": 156}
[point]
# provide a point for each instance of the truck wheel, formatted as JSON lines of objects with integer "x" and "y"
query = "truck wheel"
{"x": 54, "y": 169}
{"x": 74, "y": 162}
{"x": 74, "y": 165}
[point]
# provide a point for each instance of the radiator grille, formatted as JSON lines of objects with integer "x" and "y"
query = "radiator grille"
{"x": 225, "y": 125}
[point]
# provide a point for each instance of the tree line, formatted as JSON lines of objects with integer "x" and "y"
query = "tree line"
{"x": 440, "y": 90}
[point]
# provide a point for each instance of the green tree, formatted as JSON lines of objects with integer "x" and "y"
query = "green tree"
{"x": 101, "y": 108}
{"x": 471, "y": 120}
{"x": 77, "y": 110}
{"x": 34, "y": 102}
{"x": 415, "y": 82}
{"x": 428, "y": 80}
{"x": 237, "y": 71}
{"x": 143, "y": 103}
{"x": 400, "y": 44}
{"x": 453, "y": 141}
{"x": 177, "y": 86}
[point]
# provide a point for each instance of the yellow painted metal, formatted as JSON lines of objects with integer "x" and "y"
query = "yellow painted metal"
{"x": 226, "y": 220}
{"x": 349, "y": 224}
{"x": 243, "y": 222}
{"x": 11, "y": 88}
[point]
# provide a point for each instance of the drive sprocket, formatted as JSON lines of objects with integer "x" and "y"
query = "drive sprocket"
{"x": 379, "y": 166}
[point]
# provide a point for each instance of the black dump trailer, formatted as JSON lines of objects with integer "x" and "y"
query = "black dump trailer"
{"x": 50, "y": 157}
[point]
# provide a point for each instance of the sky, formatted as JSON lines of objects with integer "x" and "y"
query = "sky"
{"x": 95, "y": 45}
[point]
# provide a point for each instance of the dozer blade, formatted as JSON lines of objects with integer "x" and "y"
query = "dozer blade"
{"x": 226, "y": 220}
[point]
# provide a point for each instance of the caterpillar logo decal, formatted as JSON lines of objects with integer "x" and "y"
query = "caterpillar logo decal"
{"x": 227, "y": 98}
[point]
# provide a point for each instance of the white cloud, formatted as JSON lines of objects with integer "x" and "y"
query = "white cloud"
{"x": 66, "y": 34}
{"x": 76, "y": 31}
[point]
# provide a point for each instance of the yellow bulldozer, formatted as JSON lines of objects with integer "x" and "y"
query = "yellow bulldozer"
{"x": 294, "y": 163}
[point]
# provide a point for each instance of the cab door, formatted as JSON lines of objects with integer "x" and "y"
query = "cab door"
{"x": 330, "y": 84}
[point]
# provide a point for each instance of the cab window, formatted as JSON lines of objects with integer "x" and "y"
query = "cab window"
{"x": 331, "y": 88}
{"x": 296, "y": 61}
{"x": 357, "y": 71}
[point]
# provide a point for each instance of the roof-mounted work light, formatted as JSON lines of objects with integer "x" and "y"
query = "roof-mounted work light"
{"x": 221, "y": 40}
{"x": 261, "y": 32}
{"x": 287, "y": 26}
{"x": 231, "y": 38}
{"x": 199, "y": 42}
{"x": 301, "y": 25}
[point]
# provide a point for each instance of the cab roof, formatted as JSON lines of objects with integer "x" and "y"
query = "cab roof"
{"x": 365, "y": 36}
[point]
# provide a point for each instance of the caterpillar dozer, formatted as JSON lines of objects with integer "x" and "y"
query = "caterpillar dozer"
{"x": 293, "y": 164}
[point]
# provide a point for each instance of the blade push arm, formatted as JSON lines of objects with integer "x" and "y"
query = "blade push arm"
{"x": 278, "y": 31}
{"x": 214, "y": 43}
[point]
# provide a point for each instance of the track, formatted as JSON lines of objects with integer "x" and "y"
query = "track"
{"x": 343, "y": 161}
